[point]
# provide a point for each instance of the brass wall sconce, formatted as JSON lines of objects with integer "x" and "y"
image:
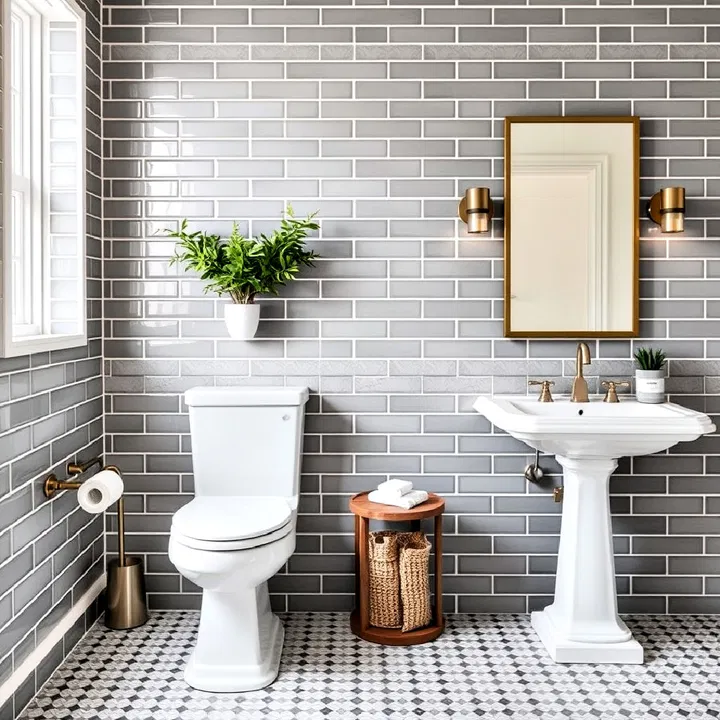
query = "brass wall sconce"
{"x": 667, "y": 208}
{"x": 126, "y": 606}
{"x": 476, "y": 209}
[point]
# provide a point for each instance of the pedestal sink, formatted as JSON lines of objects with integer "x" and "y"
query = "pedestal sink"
{"x": 582, "y": 624}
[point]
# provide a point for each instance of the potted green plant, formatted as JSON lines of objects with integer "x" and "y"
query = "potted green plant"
{"x": 243, "y": 268}
{"x": 650, "y": 375}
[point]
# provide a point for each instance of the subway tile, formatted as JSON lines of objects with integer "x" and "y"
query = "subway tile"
{"x": 475, "y": 52}
{"x": 380, "y": 117}
{"x": 474, "y": 88}
{"x": 563, "y": 34}
{"x": 168, "y": 34}
{"x": 562, "y": 52}
{"x": 528, "y": 16}
{"x": 527, "y": 70}
{"x": 214, "y": 16}
{"x": 144, "y": 16}
{"x": 371, "y": 16}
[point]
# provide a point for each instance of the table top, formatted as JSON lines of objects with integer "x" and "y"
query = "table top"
{"x": 360, "y": 505}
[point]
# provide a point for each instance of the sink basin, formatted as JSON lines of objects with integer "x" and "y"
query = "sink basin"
{"x": 582, "y": 624}
{"x": 594, "y": 429}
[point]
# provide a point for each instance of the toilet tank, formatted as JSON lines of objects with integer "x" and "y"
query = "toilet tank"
{"x": 247, "y": 441}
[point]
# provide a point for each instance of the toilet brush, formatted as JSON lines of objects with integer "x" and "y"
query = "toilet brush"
{"x": 126, "y": 607}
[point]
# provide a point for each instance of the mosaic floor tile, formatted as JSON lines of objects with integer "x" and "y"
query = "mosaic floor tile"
{"x": 484, "y": 666}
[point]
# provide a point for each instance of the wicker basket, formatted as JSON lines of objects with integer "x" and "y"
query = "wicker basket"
{"x": 414, "y": 580}
{"x": 384, "y": 571}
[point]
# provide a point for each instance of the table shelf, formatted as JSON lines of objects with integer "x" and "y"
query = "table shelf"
{"x": 364, "y": 511}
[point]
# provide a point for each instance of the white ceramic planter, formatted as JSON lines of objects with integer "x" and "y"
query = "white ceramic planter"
{"x": 242, "y": 320}
{"x": 650, "y": 386}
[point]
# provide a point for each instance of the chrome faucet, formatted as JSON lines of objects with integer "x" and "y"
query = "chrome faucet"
{"x": 580, "y": 386}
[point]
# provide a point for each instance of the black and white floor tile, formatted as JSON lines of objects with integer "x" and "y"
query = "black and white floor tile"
{"x": 484, "y": 666}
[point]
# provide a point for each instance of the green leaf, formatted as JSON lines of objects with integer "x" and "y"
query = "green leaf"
{"x": 245, "y": 267}
{"x": 649, "y": 359}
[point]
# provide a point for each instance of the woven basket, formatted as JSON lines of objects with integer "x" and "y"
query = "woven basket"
{"x": 414, "y": 580}
{"x": 384, "y": 574}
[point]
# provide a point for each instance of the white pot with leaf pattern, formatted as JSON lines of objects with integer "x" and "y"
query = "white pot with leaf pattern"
{"x": 242, "y": 320}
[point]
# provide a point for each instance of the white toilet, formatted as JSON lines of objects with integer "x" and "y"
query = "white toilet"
{"x": 240, "y": 528}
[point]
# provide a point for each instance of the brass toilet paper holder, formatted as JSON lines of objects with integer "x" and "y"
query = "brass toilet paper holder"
{"x": 125, "y": 593}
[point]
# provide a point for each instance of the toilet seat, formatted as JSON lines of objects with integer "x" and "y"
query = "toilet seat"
{"x": 221, "y": 523}
{"x": 228, "y": 545}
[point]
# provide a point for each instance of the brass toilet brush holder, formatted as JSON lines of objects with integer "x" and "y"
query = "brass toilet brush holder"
{"x": 126, "y": 607}
{"x": 125, "y": 593}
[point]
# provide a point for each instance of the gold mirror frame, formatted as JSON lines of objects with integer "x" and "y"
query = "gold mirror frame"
{"x": 635, "y": 331}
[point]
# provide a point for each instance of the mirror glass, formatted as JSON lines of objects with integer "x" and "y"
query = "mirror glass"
{"x": 571, "y": 227}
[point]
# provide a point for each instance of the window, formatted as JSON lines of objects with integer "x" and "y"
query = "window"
{"x": 43, "y": 176}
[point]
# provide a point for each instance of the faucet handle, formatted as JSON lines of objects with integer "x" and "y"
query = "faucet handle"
{"x": 611, "y": 385}
{"x": 545, "y": 394}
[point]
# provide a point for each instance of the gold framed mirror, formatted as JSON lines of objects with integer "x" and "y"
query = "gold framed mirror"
{"x": 572, "y": 196}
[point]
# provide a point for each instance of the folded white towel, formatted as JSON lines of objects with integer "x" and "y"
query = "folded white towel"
{"x": 407, "y": 501}
{"x": 395, "y": 487}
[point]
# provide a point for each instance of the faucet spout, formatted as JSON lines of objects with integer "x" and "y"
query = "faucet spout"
{"x": 580, "y": 386}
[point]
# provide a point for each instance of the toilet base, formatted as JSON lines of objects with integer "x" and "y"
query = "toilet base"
{"x": 239, "y": 678}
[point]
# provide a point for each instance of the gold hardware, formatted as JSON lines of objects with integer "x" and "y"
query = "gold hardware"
{"x": 476, "y": 209}
{"x": 667, "y": 208}
{"x": 611, "y": 385}
{"x": 580, "y": 386}
{"x": 79, "y": 468}
{"x": 558, "y": 494}
{"x": 545, "y": 394}
{"x": 121, "y": 520}
{"x": 52, "y": 485}
{"x": 126, "y": 605}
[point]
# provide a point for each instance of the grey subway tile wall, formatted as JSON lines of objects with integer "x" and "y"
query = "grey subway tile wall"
{"x": 51, "y": 407}
{"x": 380, "y": 117}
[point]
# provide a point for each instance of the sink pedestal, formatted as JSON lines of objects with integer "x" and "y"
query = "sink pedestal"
{"x": 582, "y": 624}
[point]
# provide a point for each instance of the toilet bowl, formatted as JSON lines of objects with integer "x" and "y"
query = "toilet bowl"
{"x": 239, "y": 530}
{"x": 239, "y": 639}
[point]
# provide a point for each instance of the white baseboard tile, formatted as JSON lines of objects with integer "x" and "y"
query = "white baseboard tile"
{"x": 8, "y": 688}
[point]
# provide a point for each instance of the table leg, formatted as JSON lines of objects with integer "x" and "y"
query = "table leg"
{"x": 357, "y": 561}
{"x": 364, "y": 604}
{"x": 438, "y": 569}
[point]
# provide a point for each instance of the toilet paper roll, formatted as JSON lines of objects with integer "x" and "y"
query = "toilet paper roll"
{"x": 99, "y": 492}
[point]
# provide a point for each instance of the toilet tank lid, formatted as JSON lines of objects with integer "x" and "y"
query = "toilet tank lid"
{"x": 245, "y": 396}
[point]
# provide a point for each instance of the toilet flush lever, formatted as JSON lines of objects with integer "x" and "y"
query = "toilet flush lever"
{"x": 286, "y": 417}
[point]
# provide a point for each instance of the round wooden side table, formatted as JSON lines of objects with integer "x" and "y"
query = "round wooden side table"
{"x": 364, "y": 511}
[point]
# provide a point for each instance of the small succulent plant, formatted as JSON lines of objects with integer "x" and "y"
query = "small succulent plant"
{"x": 649, "y": 359}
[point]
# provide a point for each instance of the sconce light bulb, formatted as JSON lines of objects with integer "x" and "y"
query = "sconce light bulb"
{"x": 672, "y": 222}
{"x": 476, "y": 209}
{"x": 478, "y": 222}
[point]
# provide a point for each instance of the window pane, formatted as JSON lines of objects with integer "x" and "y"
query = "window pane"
{"x": 18, "y": 91}
{"x": 25, "y": 135}
{"x": 45, "y": 236}
{"x": 21, "y": 260}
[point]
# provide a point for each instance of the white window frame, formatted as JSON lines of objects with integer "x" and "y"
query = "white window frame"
{"x": 34, "y": 334}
